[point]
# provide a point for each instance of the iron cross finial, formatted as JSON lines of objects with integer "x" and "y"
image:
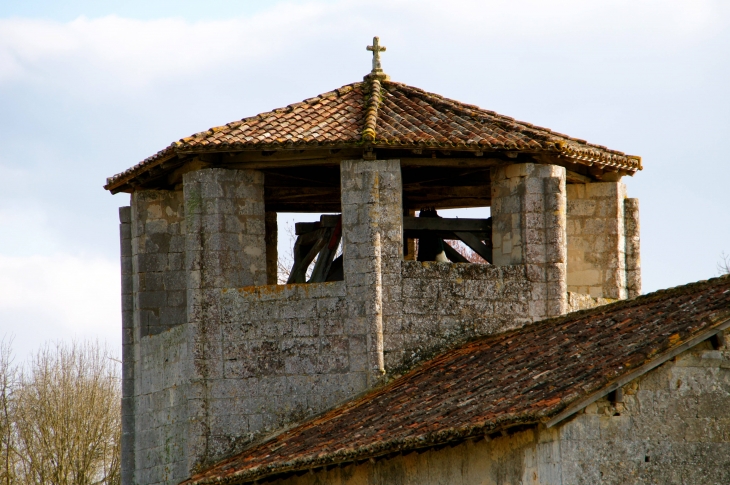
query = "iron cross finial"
{"x": 376, "y": 48}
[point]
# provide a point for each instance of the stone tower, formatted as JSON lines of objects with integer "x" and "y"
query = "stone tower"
{"x": 217, "y": 354}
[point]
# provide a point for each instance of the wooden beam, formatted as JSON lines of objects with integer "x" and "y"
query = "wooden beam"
{"x": 596, "y": 172}
{"x": 290, "y": 155}
{"x": 443, "y": 224}
{"x": 302, "y": 177}
{"x": 271, "y": 234}
{"x": 302, "y": 194}
{"x": 473, "y": 230}
{"x": 422, "y": 195}
{"x": 453, "y": 188}
{"x": 446, "y": 203}
{"x": 576, "y": 178}
{"x": 327, "y": 254}
{"x": 446, "y": 176}
{"x": 310, "y": 237}
{"x": 450, "y": 162}
{"x": 176, "y": 175}
{"x": 449, "y": 235}
{"x": 476, "y": 245}
{"x": 306, "y": 249}
{"x": 304, "y": 206}
{"x": 325, "y": 220}
{"x": 409, "y": 244}
{"x": 611, "y": 176}
{"x": 264, "y": 164}
{"x": 328, "y": 159}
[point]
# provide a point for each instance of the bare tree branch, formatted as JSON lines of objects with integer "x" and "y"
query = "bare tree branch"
{"x": 67, "y": 420}
{"x": 723, "y": 267}
{"x": 8, "y": 384}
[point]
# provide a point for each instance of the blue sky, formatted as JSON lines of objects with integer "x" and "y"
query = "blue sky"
{"x": 88, "y": 89}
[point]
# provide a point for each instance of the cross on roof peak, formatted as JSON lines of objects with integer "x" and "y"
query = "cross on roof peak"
{"x": 376, "y": 49}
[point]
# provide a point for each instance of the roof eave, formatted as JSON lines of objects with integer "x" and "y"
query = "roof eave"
{"x": 118, "y": 183}
{"x": 385, "y": 449}
{"x": 125, "y": 181}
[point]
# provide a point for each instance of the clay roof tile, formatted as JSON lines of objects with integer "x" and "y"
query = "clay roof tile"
{"x": 402, "y": 115}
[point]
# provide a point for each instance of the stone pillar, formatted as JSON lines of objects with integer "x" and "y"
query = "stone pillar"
{"x": 226, "y": 227}
{"x": 528, "y": 228}
{"x": 596, "y": 239}
{"x": 272, "y": 249}
{"x": 157, "y": 223}
{"x": 128, "y": 360}
{"x": 372, "y": 229}
{"x": 158, "y": 257}
{"x": 633, "y": 259}
{"x": 226, "y": 249}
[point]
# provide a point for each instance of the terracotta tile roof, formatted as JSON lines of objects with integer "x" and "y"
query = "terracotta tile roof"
{"x": 376, "y": 113}
{"x": 515, "y": 378}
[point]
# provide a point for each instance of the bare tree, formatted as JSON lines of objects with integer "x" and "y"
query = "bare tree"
{"x": 723, "y": 267}
{"x": 8, "y": 384}
{"x": 286, "y": 260}
{"x": 68, "y": 416}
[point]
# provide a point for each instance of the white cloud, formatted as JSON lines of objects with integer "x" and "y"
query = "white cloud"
{"x": 116, "y": 52}
{"x": 136, "y": 53}
{"x": 53, "y": 297}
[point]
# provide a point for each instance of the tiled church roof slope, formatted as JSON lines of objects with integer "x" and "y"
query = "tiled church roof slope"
{"x": 387, "y": 115}
{"x": 521, "y": 377}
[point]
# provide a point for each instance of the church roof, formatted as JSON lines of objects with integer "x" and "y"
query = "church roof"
{"x": 541, "y": 373}
{"x": 378, "y": 113}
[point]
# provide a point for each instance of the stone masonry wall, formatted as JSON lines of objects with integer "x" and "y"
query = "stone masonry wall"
{"x": 158, "y": 260}
{"x": 128, "y": 353}
{"x": 444, "y": 303}
{"x": 186, "y": 246}
{"x": 372, "y": 247}
{"x": 225, "y": 248}
{"x": 633, "y": 258}
{"x": 225, "y": 228}
{"x": 291, "y": 351}
{"x": 155, "y": 270}
{"x": 673, "y": 428}
{"x": 488, "y": 462}
{"x": 528, "y": 228}
{"x": 578, "y": 301}
{"x": 596, "y": 239}
{"x": 161, "y": 401}
{"x": 286, "y": 354}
